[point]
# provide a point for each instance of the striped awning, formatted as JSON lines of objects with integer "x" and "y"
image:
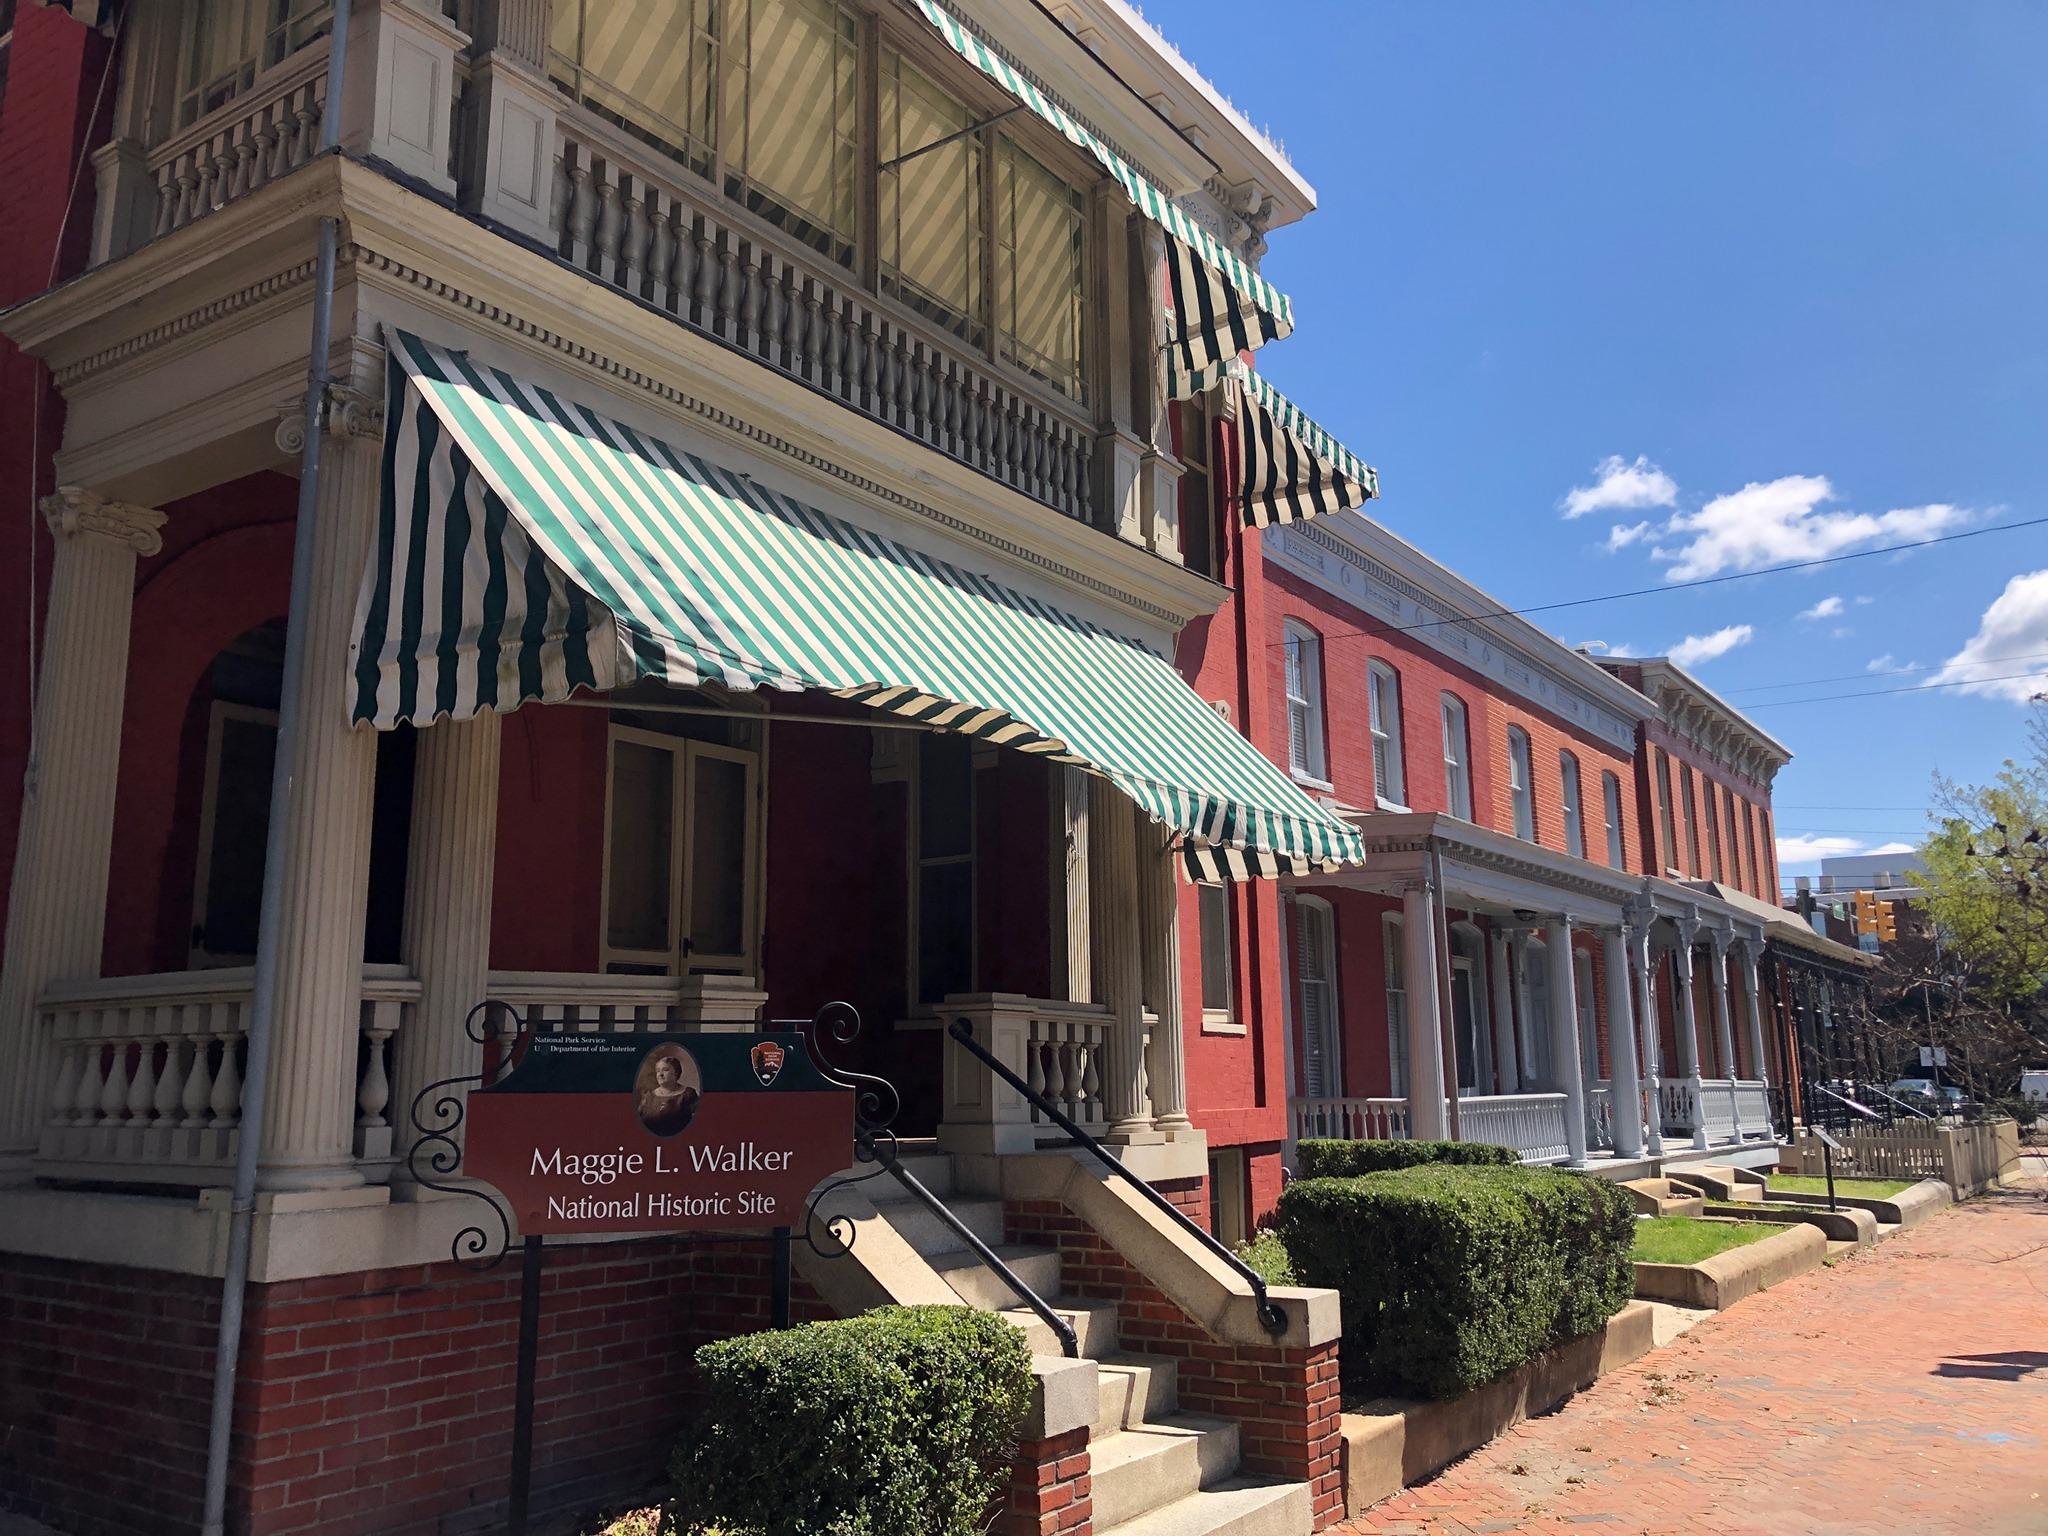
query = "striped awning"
{"x": 1218, "y": 305}
{"x": 529, "y": 547}
{"x": 1290, "y": 468}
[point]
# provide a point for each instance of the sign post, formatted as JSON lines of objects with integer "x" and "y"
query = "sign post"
{"x": 603, "y": 1134}
{"x": 1828, "y": 1148}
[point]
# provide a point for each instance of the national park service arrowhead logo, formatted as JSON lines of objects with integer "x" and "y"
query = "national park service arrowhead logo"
{"x": 767, "y": 1058}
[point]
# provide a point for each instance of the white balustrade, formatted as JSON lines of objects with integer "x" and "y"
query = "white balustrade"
{"x": 1753, "y": 1104}
{"x": 1350, "y": 1119}
{"x": 1681, "y": 1108}
{"x": 594, "y": 1003}
{"x": 633, "y": 218}
{"x": 1066, "y": 1057}
{"x": 1717, "y": 1104}
{"x": 1530, "y": 1123}
{"x": 148, "y": 1087}
{"x": 1600, "y": 1116}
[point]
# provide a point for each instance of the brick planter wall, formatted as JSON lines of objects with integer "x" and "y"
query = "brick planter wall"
{"x": 1287, "y": 1401}
{"x": 1050, "y": 1490}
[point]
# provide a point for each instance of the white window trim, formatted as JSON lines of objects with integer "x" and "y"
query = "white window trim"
{"x": 1610, "y": 803}
{"x": 1224, "y": 1020}
{"x": 1457, "y": 731}
{"x": 1314, "y": 767}
{"x": 1521, "y": 789}
{"x": 1313, "y": 909}
{"x": 1393, "y": 963}
{"x": 1383, "y": 723}
{"x": 223, "y": 710}
{"x": 1571, "y": 787}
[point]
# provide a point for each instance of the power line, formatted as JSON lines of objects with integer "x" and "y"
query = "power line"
{"x": 1850, "y": 677}
{"x": 1874, "y": 693}
{"x": 1680, "y": 586}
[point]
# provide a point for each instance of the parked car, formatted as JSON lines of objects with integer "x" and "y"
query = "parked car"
{"x": 2034, "y": 1084}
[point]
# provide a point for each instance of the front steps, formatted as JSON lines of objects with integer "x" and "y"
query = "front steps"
{"x": 1663, "y": 1197}
{"x": 1155, "y": 1471}
{"x": 1716, "y": 1181}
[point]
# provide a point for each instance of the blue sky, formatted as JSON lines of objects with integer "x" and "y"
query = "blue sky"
{"x": 1771, "y": 280}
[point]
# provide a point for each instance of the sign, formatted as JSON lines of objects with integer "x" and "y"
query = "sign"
{"x": 597, "y": 1133}
{"x": 1933, "y": 1055}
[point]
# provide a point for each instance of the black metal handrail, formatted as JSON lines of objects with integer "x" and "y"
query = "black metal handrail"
{"x": 1272, "y": 1317}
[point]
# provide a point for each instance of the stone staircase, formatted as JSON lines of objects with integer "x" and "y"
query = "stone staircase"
{"x": 1156, "y": 1470}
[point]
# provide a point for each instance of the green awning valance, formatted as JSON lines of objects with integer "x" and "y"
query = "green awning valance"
{"x": 529, "y": 547}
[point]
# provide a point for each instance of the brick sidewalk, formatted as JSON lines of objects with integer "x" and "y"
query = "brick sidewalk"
{"x": 1903, "y": 1389}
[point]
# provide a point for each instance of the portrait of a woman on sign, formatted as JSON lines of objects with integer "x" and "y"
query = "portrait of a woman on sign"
{"x": 667, "y": 1090}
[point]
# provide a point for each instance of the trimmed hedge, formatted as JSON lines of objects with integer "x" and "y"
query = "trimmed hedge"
{"x": 1348, "y": 1159}
{"x": 1451, "y": 1276}
{"x": 902, "y": 1419}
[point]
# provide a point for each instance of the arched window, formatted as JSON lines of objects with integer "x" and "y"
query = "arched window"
{"x": 1574, "y": 806}
{"x": 1383, "y": 702}
{"x": 1468, "y": 1007}
{"x": 1315, "y": 969}
{"x": 1457, "y": 759}
{"x": 1521, "y": 789}
{"x": 1536, "y": 1053}
{"x": 1304, "y": 659}
{"x": 1617, "y": 846}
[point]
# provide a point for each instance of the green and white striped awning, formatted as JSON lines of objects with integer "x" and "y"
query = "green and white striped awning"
{"x": 529, "y": 547}
{"x": 1218, "y": 306}
{"x": 1290, "y": 469}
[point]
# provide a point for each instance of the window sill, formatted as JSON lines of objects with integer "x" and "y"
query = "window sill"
{"x": 1309, "y": 781}
{"x": 1395, "y": 807}
{"x": 1218, "y": 1021}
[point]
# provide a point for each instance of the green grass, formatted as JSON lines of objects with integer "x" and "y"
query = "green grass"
{"x": 1687, "y": 1240}
{"x": 1863, "y": 1189}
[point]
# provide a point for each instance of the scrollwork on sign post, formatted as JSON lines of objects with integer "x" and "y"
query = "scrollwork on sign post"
{"x": 875, "y": 1107}
{"x": 436, "y": 1154}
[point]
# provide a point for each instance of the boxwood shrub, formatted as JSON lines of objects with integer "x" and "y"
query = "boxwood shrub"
{"x": 902, "y": 1419}
{"x": 1451, "y": 1276}
{"x": 1347, "y": 1159}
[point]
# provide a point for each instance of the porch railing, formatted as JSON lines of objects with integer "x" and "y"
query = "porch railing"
{"x": 1530, "y": 1123}
{"x": 592, "y": 1003}
{"x": 1061, "y": 1052}
{"x": 630, "y": 217}
{"x": 1718, "y": 1111}
{"x": 1679, "y": 1105}
{"x": 1600, "y": 1116}
{"x": 148, "y": 1086}
{"x": 1753, "y": 1104}
{"x": 1350, "y": 1119}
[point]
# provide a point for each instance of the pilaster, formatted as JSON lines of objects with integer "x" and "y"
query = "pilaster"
{"x": 56, "y": 916}
{"x": 398, "y": 99}
{"x": 1159, "y": 919}
{"x": 1119, "y": 966}
{"x": 1501, "y": 968}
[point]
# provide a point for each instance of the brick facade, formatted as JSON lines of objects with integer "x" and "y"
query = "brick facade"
{"x": 1051, "y": 1488}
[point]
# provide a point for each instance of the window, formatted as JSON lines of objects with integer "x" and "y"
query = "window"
{"x": 1213, "y": 905}
{"x": 682, "y": 884}
{"x": 667, "y": 95}
{"x": 1322, "y": 1074}
{"x": 1574, "y": 806}
{"x": 1229, "y": 1196}
{"x": 1520, "y": 790}
{"x": 1713, "y": 800}
{"x": 928, "y": 207}
{"x": 1393, "y": 949}
{"x": 1468, "y": 1007}
{"x": 942, "y": 939}
{"x": 1756, "y": 869}
{"x": 1383, "y": 704}
{"x": 1668, "y": 846}
{"x": 1734, "y": 840}
{"x": 1692, "y": 822}
{"x": 1304, "y": 703}
{"x": 1536, "y": 1051}
{"x": 234, "y": 826}
{"x": 1201, "y": 530}
{"x": 1457, "y": 760}
{"x": 228, "y": 43}
{"x": 1589, "y": 1017}
{"x": 1617, "y": 845}
{"x": 6, "y": 42}
{"x": 1041, "y": 277}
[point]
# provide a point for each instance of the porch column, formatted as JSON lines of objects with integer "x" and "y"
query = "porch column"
{"x": 1119, "y": 967}
{"x": 1159, "y": 913}
{"x": 1719, "y": 940}
{"x": 1689, "y": 1024}
{"x": 1518, "y": 971}
{"x": 1641, "y": 917}
{"x": 1500, "y": 965}
{"x": 1753, "y": 1013}
{"x": 1425, "y": 1037}
{"x": 1072, "y": 897}
{"x": 1624, "y": 1089}
{"x": 447, "y": 936}
{"x": 56, "y": 916}
{"x": 1564, "y": 1034}
{"x": 321, "y": 854}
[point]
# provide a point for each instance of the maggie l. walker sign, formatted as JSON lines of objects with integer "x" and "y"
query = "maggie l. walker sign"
{"x": 606, "y": 1133}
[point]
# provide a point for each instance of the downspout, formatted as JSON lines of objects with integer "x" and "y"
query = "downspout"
{"x": 234, "y": 1283}
{"x": 1445, "y": 1025}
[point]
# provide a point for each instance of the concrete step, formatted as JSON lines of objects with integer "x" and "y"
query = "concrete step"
{"x": 1661, "y": 1197}
{"x": 1242, "y": 1506}
{"x": 1134, "y": 1388}
{"x": 1138, "y": 1470}
{"x": 934, "y": 1170}
{"x": 924, "y": 1231}
{"x": 1094, "y": 1324}
{"x": 1715, "y": 1180}
{"x": 979, "y": 1286}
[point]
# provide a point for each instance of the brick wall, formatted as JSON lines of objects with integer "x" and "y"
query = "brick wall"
{"x": 1286, "y": 1401}
{"x": 1051, "y": 1488}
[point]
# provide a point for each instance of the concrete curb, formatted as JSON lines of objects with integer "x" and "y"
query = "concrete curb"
{"x": 1391, "y": 1442}
{"x": 1719, "y": 1282}
{"x": 1850, "y": 1224}
{"x": 1908, "y": 1208}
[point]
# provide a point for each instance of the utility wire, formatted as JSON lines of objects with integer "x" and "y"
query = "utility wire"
{"x": 1850, "y": 677}
{"x": 1874, "y": 693}
{"x": 1680, "y": 586}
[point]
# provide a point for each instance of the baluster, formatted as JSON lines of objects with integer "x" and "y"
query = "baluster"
{"x": 170, "y": 1083}
{"x": 984, "y": 426}
{"x": 582, "y": 211}
{"x": 85, "y": 1097}
{"x": 64, "y": 1092}
{"x": 869, "y": 367}
{"x": 611, "y": 223}
{"x": 662, "y": 254}
{"x": 142, "y": 1086}
{"x": 229, "y": 1021}
{"x": 633, "y": 251}
{"x": 307, "y": 140}
{"x": 282, "y": 129}
{"x": 1034, "y": 1066}
{"x": 729, "y": 283}
{"x": 704, "y": 277}
{"x": 751, "y": 336}
{"x": 902, "y": 363}
{"x": 245, "y": 159}
{"x": 767, "y": 275}
{"x": 203, "y": 171}
{"x": 562, "y": 196}
{"x": 166, "y": 200}
{"x": 114, "y": 1091}
{"x": 199, "y": 1081}
{"x": 380, "y": 1022}
{"x": 793, "y": 319}
{"x": 820, "y": 336}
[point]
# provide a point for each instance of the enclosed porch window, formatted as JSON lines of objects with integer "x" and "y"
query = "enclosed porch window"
{"x": 226, "y": 44}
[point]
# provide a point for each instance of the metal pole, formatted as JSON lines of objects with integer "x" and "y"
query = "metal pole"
{"x": 1827, "y": 1152}
{"x": 256, "y": 1070}
{"x": 521, "y": 1485}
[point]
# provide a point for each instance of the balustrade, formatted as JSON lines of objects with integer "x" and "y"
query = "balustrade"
{"x": 1350, "y": 1119}
{"x": 1718, "y": 1107}
{"x": 1600, "y": 1116}
{"x": 1529, "y": 1123}
{"x": 1681, "y": 1108}
{"x": 1066, "y": 1058}
{"x": 1753, "y": 1106}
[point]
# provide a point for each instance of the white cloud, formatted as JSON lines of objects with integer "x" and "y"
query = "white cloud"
{"x": 1621, "y": 535}
{"x": 1840, "y": 632}
{"x": 1808, "y": 848}
{"x": 1885, "y": 663}
{"x": 1620, "y": 486}
{"x": 2015, "y": 625}
{"x": 1895, "y": 848}
{"x": 1778, "y": 521}
{"x": 1694, "y": 649}
{"x": 1865, "y": 602}
{"x": 1826, "y": 608}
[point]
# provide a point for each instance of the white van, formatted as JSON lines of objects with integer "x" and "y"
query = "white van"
{"x": 2034, "y": 1084}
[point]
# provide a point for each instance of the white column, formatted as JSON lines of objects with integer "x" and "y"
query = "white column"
{"x": 57, "y": 913}
{"x": 447, "y": 938}
{"x": 1073, "y": 874}
{"x": 1518, "y": 971}
{"x": 1719, "y": 940}
{"x": 1753, "y": 1012}
{"x": 1564, "y": 1035}
{"x": 1159, "y": 916}
{"x": 1119, "y": 969}
{"x": 1624, "y": 1084}
{"x": 1426, "y": 1121}
{"x": 1641, "y": 916}
{"x": 308, "y": 1128}
{"x": 1689, "y": 1024}
{"x": 1507, "y": 1074}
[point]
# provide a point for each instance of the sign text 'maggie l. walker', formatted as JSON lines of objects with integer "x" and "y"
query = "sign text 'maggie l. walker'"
{"x": 659, "y": 1133}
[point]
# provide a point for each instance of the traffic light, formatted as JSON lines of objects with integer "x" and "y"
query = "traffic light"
{"x": 1887, "y": 922}
{"x": 1866, "y": 919}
